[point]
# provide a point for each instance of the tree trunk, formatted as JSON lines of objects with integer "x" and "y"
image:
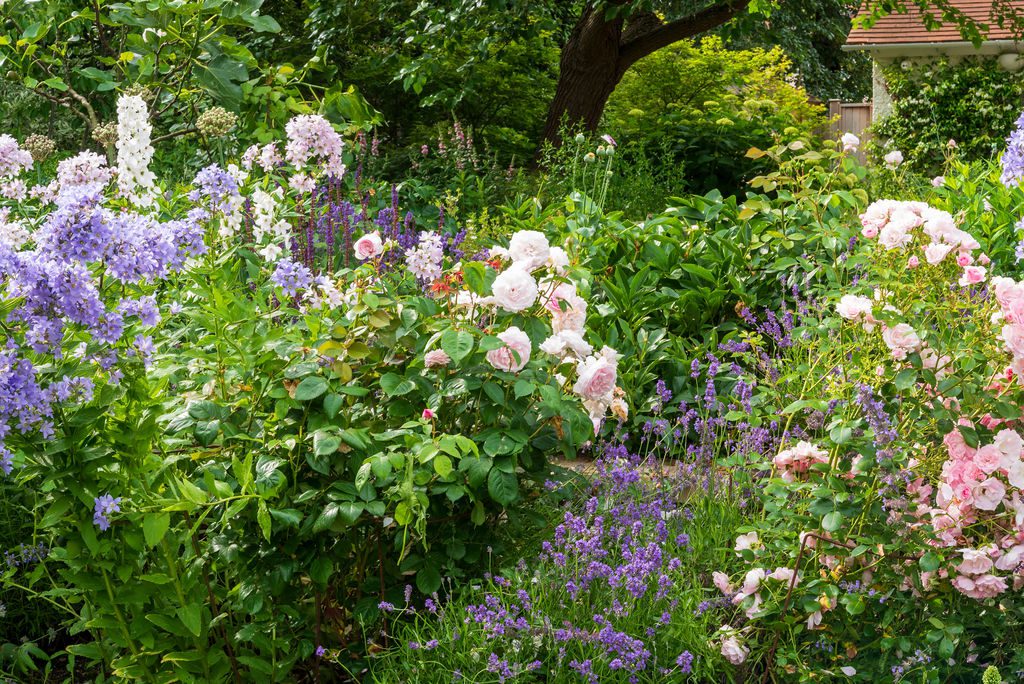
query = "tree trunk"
{"x": 600, "y": 51}
{"x": 588, "y": 73}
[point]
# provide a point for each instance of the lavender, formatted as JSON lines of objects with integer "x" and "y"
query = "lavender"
{"x": 878, "y": 421}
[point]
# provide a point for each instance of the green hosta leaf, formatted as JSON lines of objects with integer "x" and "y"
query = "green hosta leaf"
{"x": 503, "y": 487}
{"x": 458, "y": 344}
{"x": 154, "y": 527}
{"x": 395, "y": 385}
{"x": 310, "y": 388}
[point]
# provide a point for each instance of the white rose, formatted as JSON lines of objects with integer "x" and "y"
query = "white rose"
{"x": 514, "y": 289}
{"x": 529, "y": 249}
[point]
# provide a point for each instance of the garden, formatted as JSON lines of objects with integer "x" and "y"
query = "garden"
{"x": 347, "y": 342}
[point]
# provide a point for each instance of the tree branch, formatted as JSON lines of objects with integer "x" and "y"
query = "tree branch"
{"x": 674, "y": 31}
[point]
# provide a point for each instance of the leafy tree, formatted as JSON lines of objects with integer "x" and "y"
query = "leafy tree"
{"x": 606, "y": 37}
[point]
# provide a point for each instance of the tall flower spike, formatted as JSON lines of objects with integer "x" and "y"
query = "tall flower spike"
{"x": 134, "y": 151}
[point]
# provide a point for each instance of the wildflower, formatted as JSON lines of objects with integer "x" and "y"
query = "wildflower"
{"x": 216, "y": 122}
{"x": 320, "y": 651}
{"x": 291, "y": 277}
{"x": 893, "y": 159}
{"x": 1013, "y": 156}
{"x": 425, "y": 259}
{"x": 40, "y": 147}
{"x": 134, "y": 151}
{"x": 104, "y": 506}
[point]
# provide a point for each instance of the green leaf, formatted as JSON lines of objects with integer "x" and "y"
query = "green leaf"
{"x": 192, "y": 617}
{"x": 905, "y": 379}
{"x": 333, "y": 404}
{"x": 154, "y": 527}
{"x": 325, "y": 443}
{"x": 457, "y": 344}
{"x": 930, "y": 562}
{"x": 833, "y": 521}
{"x": 395, "y": 385}
{"x": 311, "y": 387}
{"x": 222, "y": 78}
{"x": 428, "y": 579}
{"x": 288, "y": 517}
{"x": 443, "y": 465}
{"x": 263, "y": 518}
{"x": 503, "y": 487}
{"x": 524, "y": 388}
{"x": 206, "y": 432}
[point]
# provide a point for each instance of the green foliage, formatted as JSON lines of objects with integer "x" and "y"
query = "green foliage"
{"x": 704, "y": 106}
{"x": 973, "y": 102}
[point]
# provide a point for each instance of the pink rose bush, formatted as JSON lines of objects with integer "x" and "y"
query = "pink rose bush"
{"x": 907, "y": 487}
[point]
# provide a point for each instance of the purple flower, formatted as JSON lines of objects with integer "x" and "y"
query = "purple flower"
{"x": 321, "y": 651}
{"x": 104, "y": 506}
{"x": 291, "y": 277}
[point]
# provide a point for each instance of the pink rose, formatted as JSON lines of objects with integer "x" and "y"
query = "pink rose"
{"x": 988, "y": 494}
{"x": 721, "y": 581}
{"x": 869, "y": 232}
{"x": 936, "y": 252}
{"x": 597, "y": 377}
{"x": 428, "y": 414}
{"x": 747, "y": 541}
{"x": 972, "y": 275}
{"x": 785, "y": 575}
{"x": 368, "y": 247}
{"x": 515, "y": 354}
{"x": 1009, "y": 444}
{"x": 988, "y": 459}
{"x": 1011, "y": 559}
{"x": 1013, "y": 336}
{"x": 975, "y": 562}
{"x": 572, "y": 317}
{"x": 734, "y": 651}
{"x": 514, "y": 289}
{"x": 436, "y": 359}
{"x": 853, "y": 307}
{"x": 554, "y": 293}
{"x": 956, "y": 446}
{"x": 913, "y": 262}
{"x": 964, "y": 260}
{"x": 901, "y": 340}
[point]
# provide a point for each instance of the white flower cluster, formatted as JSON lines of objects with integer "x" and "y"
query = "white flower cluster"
{"x": 134, "y": 151}
{"x": 425, "y": 259}
{"x": 264, "y": 207}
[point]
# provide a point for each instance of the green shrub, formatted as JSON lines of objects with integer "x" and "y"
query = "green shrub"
{"x": 973, "y": 102}
{"x": 703, "y": 106}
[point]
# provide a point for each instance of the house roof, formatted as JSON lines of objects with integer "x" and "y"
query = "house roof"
{"x": 908, "y": 27}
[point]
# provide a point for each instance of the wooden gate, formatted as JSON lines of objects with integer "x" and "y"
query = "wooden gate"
{"x": 849, "y": 117}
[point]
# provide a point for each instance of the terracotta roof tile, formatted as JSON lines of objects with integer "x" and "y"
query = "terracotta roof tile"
{"x": 909, "y": 27}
